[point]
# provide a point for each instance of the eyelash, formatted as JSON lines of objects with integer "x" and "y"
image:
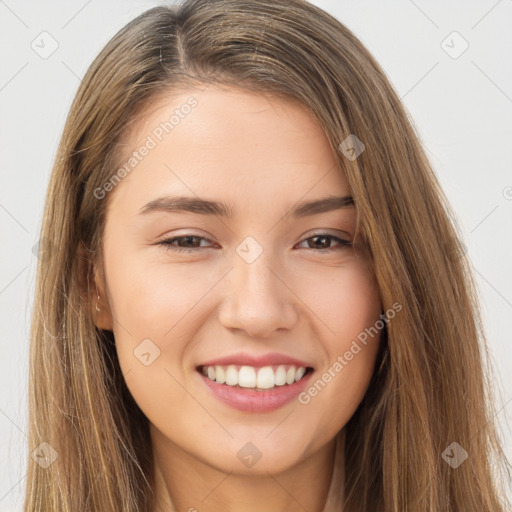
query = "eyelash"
{"x": 167, "y": 243}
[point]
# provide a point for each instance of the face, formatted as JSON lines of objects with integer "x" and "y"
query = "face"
{"x": 248, "y": 291}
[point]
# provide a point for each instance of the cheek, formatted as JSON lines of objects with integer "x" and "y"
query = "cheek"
{"x": 349, "y": 307}
{"x": 337, "y": 389}
{"x": 344, "y": 300}
{"x": 154, "y": 322}
{"x": 152, "y": 299}
{"x": 158, "y": 309}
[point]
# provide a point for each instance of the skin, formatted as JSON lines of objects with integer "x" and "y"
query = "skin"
{"x": 262, "y": 154}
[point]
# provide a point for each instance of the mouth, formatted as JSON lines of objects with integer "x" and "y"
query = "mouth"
{"x": 263, "y": 378}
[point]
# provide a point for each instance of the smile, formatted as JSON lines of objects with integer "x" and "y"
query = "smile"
{"x": 255, "y": 389}
{"x": 250, "y": 377}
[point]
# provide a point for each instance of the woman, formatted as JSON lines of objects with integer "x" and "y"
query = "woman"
{"x": 255, "y": 297}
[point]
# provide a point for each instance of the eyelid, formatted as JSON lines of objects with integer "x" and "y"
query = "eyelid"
{"x": 343, "y": 242}
{"x": 338, "y": 233}
{"x": 166, "y": 241}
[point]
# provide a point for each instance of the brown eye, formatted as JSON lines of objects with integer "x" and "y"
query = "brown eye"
{"x": 192, "y": 243}
{"x": 322, "y": 241}
{"x": 185, "y": 243}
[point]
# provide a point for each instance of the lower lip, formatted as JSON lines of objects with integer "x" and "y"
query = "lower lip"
{"x": 250, "y": 400}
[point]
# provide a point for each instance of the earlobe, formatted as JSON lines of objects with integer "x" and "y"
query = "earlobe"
{"x": 93, "y": 289}
{"x": 100, "y": 308}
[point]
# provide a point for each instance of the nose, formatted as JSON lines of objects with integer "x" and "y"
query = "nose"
{"x": 258, "y": 300}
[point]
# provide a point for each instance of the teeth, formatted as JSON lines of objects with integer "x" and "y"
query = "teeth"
{"x": 219, "y": 374}
{"x": 231, "y": 376}
{"x": 266, "y": 378}
{"x": 249, "y": 377}
{"x": 280, "y": 376}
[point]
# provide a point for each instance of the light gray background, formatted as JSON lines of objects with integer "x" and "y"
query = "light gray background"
{"x": 462, "y": 108}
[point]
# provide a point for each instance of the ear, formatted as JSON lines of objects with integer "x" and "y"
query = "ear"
{"x": 101, "y": 313}
{"x": 93, "y": 283}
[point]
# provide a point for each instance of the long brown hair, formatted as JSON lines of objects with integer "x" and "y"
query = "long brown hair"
{"x": 431, "y": 386}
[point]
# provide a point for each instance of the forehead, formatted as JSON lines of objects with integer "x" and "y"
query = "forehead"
{"x": 228, "y": 142}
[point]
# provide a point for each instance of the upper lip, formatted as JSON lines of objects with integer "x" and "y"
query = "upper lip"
{"x": 269, "y": 359}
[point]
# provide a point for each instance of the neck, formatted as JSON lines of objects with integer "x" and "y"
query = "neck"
{"x": 184, "y": 483}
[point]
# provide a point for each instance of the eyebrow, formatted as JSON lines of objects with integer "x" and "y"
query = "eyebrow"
{"x": 200, "y": 206}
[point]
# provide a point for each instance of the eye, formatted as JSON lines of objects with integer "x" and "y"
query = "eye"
{"x": 192, "y": 243}
{"x": 320, "y": 240}
{"x": 189, "y": 241}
